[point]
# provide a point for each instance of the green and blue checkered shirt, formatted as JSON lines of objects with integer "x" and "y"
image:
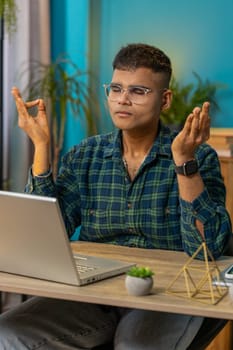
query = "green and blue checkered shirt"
{"x": 95, "y": 191}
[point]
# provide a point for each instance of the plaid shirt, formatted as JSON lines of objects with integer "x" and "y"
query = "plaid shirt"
{"x": 94, "y": 191}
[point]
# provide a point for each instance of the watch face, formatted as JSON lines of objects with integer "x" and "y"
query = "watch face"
{"x": 190, "y": 167}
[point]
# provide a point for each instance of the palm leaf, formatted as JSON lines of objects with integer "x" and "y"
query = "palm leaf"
{"x": 64, "y": 86}
{"x": 186, "y": 97}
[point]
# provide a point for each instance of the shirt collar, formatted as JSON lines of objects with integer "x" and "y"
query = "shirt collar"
{"x": 161, "y": 146}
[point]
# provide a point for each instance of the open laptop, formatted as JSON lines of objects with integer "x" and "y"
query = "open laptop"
{"x": 222, "y": 280}
{"x": 34, "y": 242}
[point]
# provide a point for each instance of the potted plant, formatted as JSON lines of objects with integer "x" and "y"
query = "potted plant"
{"x": 139, "y": 280}
{"x": 63, "y": 85}
{"x": 186, "y": 97}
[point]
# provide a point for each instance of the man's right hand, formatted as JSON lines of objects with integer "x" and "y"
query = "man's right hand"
{"x": 36, "y": 128}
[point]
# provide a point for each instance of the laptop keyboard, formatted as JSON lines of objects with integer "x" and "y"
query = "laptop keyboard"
{"x": 80, "y": 265}
{"x": 83, "y": 268}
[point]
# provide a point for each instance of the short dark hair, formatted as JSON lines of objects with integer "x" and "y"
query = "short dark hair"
{"x": 139, "y": 55}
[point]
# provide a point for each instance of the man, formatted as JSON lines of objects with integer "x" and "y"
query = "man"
{"x": 138, "y": 186}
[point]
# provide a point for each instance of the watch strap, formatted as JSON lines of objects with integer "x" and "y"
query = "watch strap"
{"x": 188, "y": 168}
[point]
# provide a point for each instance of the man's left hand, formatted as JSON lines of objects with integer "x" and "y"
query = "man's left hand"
{"x": 196, "y": 131}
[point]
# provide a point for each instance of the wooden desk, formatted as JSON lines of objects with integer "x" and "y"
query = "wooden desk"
{"x": 112, "y": 291}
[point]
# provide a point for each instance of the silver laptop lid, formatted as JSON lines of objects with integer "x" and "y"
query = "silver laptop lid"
{"x": 33, "y": 239}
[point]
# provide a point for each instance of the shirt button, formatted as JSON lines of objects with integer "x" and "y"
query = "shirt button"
{"x": 167, "y": 210}
{"x": 129, "y": 205}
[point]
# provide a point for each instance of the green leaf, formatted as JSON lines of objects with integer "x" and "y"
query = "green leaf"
{"x": 186, "y": 97}
{"x": 140, "y": 271}
{"x": 62, "y": 85}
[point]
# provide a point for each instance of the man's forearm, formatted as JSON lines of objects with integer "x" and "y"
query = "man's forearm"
{"x": 41, "y": 162}
{"x": 190, "y": 187}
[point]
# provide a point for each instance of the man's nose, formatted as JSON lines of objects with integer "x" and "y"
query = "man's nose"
{"x": 124, "y": 96}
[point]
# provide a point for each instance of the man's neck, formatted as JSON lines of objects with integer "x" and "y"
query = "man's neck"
{"x": 137, "y": 146}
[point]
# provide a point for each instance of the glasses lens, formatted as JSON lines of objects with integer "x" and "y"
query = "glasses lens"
{"x": 136, "y": 94}
{"x": 113, "y": 91}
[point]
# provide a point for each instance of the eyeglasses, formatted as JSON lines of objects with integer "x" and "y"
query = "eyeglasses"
{"x": 136, "y": 94}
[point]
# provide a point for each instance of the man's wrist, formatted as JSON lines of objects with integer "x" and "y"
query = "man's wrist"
{"x": 188, "y": 168}
{"x": 45, "y": 173}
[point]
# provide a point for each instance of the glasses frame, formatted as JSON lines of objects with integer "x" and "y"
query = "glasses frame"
{"x": 145, "y": 89}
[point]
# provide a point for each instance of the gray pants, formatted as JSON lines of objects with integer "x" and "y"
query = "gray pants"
{"x": 49, "y": 324}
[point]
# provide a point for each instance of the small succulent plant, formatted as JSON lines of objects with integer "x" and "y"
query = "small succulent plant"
{"x": 140, "y": 271}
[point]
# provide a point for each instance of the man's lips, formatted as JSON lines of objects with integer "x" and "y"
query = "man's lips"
{"x": 123, "y": 114}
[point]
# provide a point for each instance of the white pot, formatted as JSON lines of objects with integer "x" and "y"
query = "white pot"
{"x": 138, "y": 286}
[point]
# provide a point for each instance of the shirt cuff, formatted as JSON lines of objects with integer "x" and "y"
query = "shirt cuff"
{"x": 36, "y": 179}
{"x": 202, "y": 208}
{"x": 43, "y": 175}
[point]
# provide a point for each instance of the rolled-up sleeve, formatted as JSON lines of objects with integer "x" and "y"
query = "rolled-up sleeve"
{"x": 208, "y": 208}
{"x": 41, "y": 185}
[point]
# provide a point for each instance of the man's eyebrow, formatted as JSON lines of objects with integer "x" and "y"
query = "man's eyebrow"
{"x": 138, "y": 85}
{"x": 130, "y": 86}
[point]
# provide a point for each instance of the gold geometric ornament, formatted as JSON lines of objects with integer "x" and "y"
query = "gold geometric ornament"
{"x": 197, "y": 276}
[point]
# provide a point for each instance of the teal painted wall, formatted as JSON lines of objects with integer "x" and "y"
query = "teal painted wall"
{"x": 196, "y": 34}
{"x": 69, "y": 35}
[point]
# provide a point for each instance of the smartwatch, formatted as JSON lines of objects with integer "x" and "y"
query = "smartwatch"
{"x": 188, "y": 168}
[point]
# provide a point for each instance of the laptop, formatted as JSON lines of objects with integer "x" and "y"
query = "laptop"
{"x": 34, "y": 242}
{"x": 222, "y": 280}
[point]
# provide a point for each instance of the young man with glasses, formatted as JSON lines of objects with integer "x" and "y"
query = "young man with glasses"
{"x": 140, "y": 186}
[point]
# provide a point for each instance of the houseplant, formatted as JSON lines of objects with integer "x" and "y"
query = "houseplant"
{"x": 8, "y": 10}
{"x": 139, "y": 280}
{"x": 63, "y": 85}
{"x": 186, "y": 97}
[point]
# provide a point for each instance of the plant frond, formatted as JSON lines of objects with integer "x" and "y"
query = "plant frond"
{"x": 64, "y": 85}
{"x": 186, "y": 97}
{"x": 8, "y": 12}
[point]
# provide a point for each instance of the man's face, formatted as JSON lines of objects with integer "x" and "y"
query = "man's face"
{"x": 134, "y": 113}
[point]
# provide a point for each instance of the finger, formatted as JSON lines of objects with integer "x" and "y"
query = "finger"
{"x": 188, "y": 124}
{"x": 41, "y": 106}
{"x": 31, "y": 104}
{"x": 204, "y": 116}
{"x": 42, "y": 112}
{"x": 16, "y": 94}
{"x": 206, "y": 107}
{"x": 201, "y": 125}
{"x": 196, "y": 118}
{"x": 205, "y": 127}
{"x": 15, "y": 91}
{"x": 20, "y": 105}
{"x": 204, "y": 121}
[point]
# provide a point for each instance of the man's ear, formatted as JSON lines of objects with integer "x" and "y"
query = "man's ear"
{"x": 167, "y": 99}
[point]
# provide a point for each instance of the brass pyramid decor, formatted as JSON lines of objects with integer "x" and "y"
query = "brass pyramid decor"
{"x": 197, "y": 277}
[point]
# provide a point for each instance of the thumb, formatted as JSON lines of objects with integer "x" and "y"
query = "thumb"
{"x": 41, "y": 106}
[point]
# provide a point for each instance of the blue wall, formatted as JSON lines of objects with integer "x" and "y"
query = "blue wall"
{"x": 69, "y": 35}
{"x": 196, "y": 34}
